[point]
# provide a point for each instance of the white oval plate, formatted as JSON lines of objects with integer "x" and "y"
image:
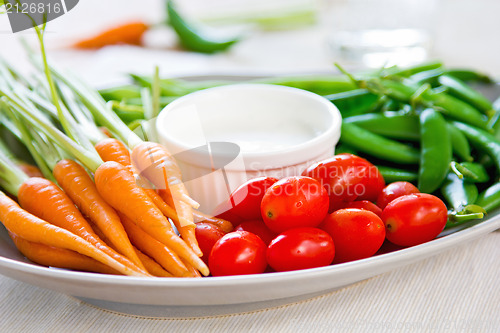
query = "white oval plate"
{"x": 174, "y": 297}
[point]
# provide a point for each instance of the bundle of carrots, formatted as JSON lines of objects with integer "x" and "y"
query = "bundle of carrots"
{"x": 101, "y": 204}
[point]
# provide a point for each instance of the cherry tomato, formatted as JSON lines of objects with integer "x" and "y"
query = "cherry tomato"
{"x": 207, "y": 235}
{"x": 347, "y": 178}
{"x": 414, "y": 219}
{"x": 294, "y": 202}
{"x": 259, "y": 228}
{"x": 300, "y": 248}
{"x": 237, "y": 253}
{"x": 366, "y": 205}
{"x": 393, "y": 191}
{"x": 356, "y": 233}
{"x": 244, "y": 203}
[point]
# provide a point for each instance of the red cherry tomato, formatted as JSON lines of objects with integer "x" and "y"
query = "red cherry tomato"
{"x": 244, "y": 202}
{"x": 393, "y": 191}
{"x": 207, "y": 235}
{"x": 346, "y": 178}
{"x": 414, "y": 219}
{"x": 259, "y": 228}
{"x": 366, "y": 205}
{"x": 300, "y": 248}
{"x": 356, "y": 233}
{"x": 294, "y": 202}
{"x": 237, "y": 253}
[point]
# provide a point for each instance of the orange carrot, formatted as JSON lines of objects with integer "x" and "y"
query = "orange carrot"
{"x": 152, "y": 266}
{"x": 30, "y": 170}
{"x": 198, "y": 216}
{"x": 187, "y": 231}
{"x": 191, "y": 269}
{"x": 58, "y": 257}
{"x": 155, "y": 162}
{"x": 44, "y": 199}
{"x": 225, "y": 225}
{"x": 78, "y": 185}
{"x": 118, "y": 187}
{"x": 130, "y": 33}
{"x": 153, "y": 248}
{"x": 113, "y": 150}
{"x": 33, "y": 229}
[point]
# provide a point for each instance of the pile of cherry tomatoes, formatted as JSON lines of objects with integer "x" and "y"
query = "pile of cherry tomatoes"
{"x": 338, "y": 210}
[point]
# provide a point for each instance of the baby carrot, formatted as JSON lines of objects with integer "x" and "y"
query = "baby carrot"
{"x": 198, "y": 216}
{"x": 225, "y": 225}
{"x": 118, "y": 187}
{"x": 152, "y": 266}
{"x": 129, "y": 33}
{"x": 33, "y": 229}
{"x": 115, "y": 150}
{"x": 51, "y": 256}
{"x": 78, "y": 185}
{"x": 153, "y": 248}
{"x": 44, "y": 199}
{"x": 187, "y": 230}
{"x": 157, "y": 164}
{"x": 111, "y": 149}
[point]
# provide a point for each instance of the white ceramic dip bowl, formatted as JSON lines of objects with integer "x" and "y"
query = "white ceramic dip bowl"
{"x": 224, "y": 136}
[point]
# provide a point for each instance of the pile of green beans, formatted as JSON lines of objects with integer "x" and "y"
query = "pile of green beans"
{"x": 426, "y": 124}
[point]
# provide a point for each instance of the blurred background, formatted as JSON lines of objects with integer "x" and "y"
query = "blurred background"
{"x": 279, "y": 36}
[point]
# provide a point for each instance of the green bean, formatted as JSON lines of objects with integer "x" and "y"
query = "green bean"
{"x": 193, "y": 38}
{"x": 458, "y": 193}
{"x": 354, "y": 102}
{"x": 483, "y": 140}
{"x": 435, "y": 151}
{"x": 471, "y": 172}
{"x": 378, "y": 146}
{"x": 459, "y": 143}
{"x": 462, "y": 91}
{"x": 489, "y": 199}
{"x": 398, "y": 126}
{"x": 391, "y": 174}
{"x": 494, "y": 122}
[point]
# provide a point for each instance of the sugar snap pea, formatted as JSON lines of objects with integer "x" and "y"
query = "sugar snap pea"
{"x": 194, "y": 38}
{"x": 459, "y": 143}
{"x": 462, "y": 91}
{"x": 483, "y": 141}
{"x": 406, "y": 91}
{"x": 378, "y": 146}
{"x": 394, "y": 126}
{"x": 489, "y": 199}
{"x": 354, "y": 102}
{"x": 391, "y": 174}
{"x": 469, "y": 75}
{"x": 435, "y": 151}
{"x": 470, "y": 171}
{"x": 455, "y": 108}
{"x": 458, "y": 193}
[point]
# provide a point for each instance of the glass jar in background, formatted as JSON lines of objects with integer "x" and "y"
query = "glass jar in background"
{"x": 375, "y": 33}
